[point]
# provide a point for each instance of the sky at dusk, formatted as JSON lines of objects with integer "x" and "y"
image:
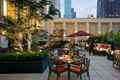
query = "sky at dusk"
{"x": 82, "y": 7}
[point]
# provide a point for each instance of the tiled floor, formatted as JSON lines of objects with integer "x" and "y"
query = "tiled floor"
{"x": 100, "y": 69}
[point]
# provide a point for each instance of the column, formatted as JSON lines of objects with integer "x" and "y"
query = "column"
{"x": 64, "y": 26}
{"x": 99, "y": 27}
{"x": 50, "y": 27}
{"x": 87, "y": 27}
{"x": 76, "y": 27}
{"x": 76, "y": 30}
{"x": 111, "y": 25}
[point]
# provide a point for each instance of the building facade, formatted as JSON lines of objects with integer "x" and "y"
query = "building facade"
{"x": 9, "y": 8}
{"x": 108, "y": 9}
{"x": 92, "y": 26}
{"x": 73, "y": 13}
{"x": 67, "y": 9}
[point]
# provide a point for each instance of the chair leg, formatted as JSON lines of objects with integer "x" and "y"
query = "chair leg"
{"x": 77, "y": 76}
{"x": 88, "y": 75}
{"x": 58, "y": 76}
{"x": 49, "y": 74}
{"x": 80, "y": 76}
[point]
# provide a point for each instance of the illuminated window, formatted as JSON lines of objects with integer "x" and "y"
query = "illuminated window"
{"x": 5, "y": 7}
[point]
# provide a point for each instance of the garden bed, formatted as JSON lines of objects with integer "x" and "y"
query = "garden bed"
{"x": 29, "y": 63}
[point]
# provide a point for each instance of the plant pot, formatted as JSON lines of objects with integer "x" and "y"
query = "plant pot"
{"x": 38, "y": 66}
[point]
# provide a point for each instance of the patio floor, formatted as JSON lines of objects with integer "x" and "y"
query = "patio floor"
{"x": 100, "y": 69}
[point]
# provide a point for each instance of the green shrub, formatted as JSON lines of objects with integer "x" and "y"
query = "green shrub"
{"x": 24, "y": 56}
{"x": 116, "y": 37}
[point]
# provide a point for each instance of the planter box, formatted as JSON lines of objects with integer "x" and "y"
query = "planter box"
{"x": 110, "y": 57}
{"x": 38, "y": 66}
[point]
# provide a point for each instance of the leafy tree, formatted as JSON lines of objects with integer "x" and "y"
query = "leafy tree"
{"x": 22, "y": 28}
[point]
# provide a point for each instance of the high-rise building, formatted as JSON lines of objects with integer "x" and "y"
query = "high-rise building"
{"x": 108, "y": 9}
{"x": 73, "y": 13}
{"x": 67, "y": 9}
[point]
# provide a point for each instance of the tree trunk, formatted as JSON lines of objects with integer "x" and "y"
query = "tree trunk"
{"x": 19, "y": 41}
{"x": 20, "y": 46}
{"x": 29, "y": 41}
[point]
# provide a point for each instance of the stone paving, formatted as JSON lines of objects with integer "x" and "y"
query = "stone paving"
{"x": 100, "y": 69}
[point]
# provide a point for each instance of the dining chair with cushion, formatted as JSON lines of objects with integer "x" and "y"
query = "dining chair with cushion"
{"x": 81, "y": 68}
{"x": 56, "y": 66}
{"x": 80, "y": 59}
{"x": 77, "y": 53}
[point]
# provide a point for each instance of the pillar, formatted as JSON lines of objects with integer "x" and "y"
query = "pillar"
{"x": 87, "y": 27}
{"x": 64, "y": 26}
{"x": 99, "y": 27}
{"x": 111, "y": 25}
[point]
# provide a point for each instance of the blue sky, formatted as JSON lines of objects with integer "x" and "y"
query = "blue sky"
{"x": 82, "y": 7}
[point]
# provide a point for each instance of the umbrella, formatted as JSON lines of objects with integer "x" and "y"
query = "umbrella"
{"x": 79, "y": 33}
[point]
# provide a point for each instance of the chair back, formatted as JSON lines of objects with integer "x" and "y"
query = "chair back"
{"x": 53, "y": 62}
{"x": 86, "y": 64}
{"x": 76, "y": 53}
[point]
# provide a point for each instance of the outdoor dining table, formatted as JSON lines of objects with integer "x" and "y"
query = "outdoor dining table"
{"x": 68, "y": 60}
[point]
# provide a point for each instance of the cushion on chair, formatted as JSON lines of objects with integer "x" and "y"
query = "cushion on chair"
{"x": 75, "y": 69}
{"x": 76, "y": 63}
{"x": 59, "y": 69}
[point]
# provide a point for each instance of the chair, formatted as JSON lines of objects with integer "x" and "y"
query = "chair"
{"x": 81, "y": 68}
{"x": 76, "y": 53}
{"x": 116, "y": 60}
{"x": 81, "y": 60}
{"x": 56, "y": 66}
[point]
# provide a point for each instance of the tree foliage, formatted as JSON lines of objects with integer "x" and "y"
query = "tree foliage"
{"x": 22, "y": 28}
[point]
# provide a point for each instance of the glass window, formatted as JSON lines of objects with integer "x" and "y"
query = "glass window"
{"x": 1, "y": 6}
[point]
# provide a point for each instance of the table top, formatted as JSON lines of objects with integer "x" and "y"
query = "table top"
{"x": 68, "y": 58}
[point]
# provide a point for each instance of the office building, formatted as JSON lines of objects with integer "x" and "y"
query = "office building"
{"x": 73, "y": 13}
{"x": 108, "y": 9}
{"x": 67, "y": 9}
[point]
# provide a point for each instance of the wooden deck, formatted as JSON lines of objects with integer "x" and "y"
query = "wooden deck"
{"x": 100, "y": 69}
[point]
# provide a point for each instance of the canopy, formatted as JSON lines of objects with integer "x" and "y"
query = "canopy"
{"x": 79, "y": 33}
